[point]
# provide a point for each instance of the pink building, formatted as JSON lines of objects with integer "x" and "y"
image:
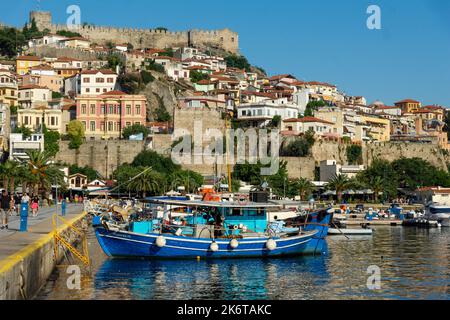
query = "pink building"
{"x": 105, "y": 116}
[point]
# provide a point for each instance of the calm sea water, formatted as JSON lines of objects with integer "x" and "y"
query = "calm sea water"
{"x": 414, "y": 264}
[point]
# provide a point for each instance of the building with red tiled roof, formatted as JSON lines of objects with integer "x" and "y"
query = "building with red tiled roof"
{"x": 408, "y": 105}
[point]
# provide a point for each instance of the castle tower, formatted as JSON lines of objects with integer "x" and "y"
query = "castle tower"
{"x": 43, "y": 19}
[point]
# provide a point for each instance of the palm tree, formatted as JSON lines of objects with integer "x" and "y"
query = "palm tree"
{"x": 149, "y": 181}
{"x": 26, "y": 178}
{"x": 42, "y": 166}
{"x": 184, "y": 179}
{"x": 304, "y": 187}
{"x": 339, "y": 184}
{"x": 4, "y": 175}
{"x": 376, "y": 184}
{"x": 13, "y": 170}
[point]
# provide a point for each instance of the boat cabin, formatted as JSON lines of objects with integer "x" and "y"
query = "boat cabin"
{"x": 230, "y": 217}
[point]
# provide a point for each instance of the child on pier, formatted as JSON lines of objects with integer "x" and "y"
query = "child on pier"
{"x": 35, "y": 207}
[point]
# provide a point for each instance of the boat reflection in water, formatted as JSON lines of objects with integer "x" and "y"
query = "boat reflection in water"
{"x": 212, "y": 279}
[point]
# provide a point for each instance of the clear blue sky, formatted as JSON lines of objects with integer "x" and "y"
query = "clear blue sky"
{"x": 324, "y": 40}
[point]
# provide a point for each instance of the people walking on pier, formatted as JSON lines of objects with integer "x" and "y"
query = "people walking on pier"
{"x": 35, "y": 207}
{"x": 4, "y": 209}
{"x": 12, "y": 205}
{"x": 17, "y": 203}
{"x": 26, "y": 198}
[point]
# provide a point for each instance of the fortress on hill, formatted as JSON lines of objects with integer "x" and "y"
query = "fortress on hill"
{"x": 146, "y": 38}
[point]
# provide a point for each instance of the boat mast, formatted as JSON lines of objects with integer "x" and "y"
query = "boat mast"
{"x": 227, "y": 139}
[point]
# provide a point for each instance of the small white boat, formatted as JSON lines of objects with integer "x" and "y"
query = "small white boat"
{"x": 350, "y": 232}
{"x": 439, "y": 212}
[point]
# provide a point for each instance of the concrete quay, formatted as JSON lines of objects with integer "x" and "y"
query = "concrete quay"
{"x": 27, "y": 259}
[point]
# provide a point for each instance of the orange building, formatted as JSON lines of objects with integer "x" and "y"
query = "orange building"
{"x": 408, "y": 105}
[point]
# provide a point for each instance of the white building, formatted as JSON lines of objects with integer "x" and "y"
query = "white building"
{"x": 298, "y": 126}
{"x": 173, "y": 67}
{"x": 260, "y": 114}
{"x": 329, "y": 169}
{"x": 18, "y": 146}
{"x": 93, "y": 82}
{"x": 34, "y": 95}
{"x": 52, "y": 40}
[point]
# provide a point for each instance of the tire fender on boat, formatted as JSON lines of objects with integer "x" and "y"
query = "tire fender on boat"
{"x": 234, "y": 244}
{"x": 160, "y": 241}
{"x": 271, "y": 244}
{"x": 214, "y": 247}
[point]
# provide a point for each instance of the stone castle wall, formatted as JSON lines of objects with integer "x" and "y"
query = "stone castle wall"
{"x": 103, "y": 156}
{"x": 148, "y": 38}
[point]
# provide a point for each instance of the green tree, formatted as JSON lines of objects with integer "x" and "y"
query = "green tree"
{"x": 51, "y": 141}
{"x": 152, "y": 65}
{"x": 376, "y": 184}
{"x": 76, "y": 134}
{"x": 68, "y": 34}
{"x": 161, "y": 114}
{"x": 42, "y": 165}
{"x": 147, "y": 77}
{"x": 339, "y": 183}
{"x": 89, "y": 172}
{"x": 354, "y": 154}
{"x": 161, "y": 164}
{"x": 114, "y": 60}
{"x": 313, "y": 106}
{"x": 11, "y": 42}
{"x": 236, "y": 61}
{"x": 26, "y": 132}
{"x": 275, "y": 122}
{"x": 197, "y": 76}
{"x": 150, "y": 182}
{"x": 56, "y": 95}
{"x": 167, "y": 53}
{"x": 303, "y": 187}
{"x": 135, "y": 129}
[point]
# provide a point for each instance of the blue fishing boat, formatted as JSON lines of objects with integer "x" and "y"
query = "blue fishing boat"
{"x": 213, "y": 230}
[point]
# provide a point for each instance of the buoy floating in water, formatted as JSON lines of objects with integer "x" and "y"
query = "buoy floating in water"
{"x": 214, "y": 247}
{"x": 234, "y": 244}
{"x": 271, "y": 244}
{"x": 160, "y": 241}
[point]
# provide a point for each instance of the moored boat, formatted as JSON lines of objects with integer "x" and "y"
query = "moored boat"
{"x": 214, "y": 230}
{"x": 438, "y": 212}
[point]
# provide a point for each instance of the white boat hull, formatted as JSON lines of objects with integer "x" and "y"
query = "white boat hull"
{"x": 350, "y": 232}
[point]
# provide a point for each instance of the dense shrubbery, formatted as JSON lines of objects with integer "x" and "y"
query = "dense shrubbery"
{"x": 134, "y": 130}
{"x": 152, "y": 65}
{"x": 354, "y": 154}
{"x": 163, "y": 176}
{"x": 147, "y": 77}
{"x": 68, "y": 34}
{"x": 313, "y": 106}
{"x": 240, "y": 62}
{"x": 87, "y": 171}
{"x": 301, "y": 147}
{"x": 197, "y": 76}
{"x": 408, "y": 174}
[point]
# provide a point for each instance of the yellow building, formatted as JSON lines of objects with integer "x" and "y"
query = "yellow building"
{"x": 8, "y": 88}
{"x": 24, "y": 63}
{"x": 54, "y": 119}
{"x": 408, "y": 105}
{"x": 379, "y": 128}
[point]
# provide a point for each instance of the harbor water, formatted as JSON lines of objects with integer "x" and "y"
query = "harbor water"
{"x": 413, "y": 263}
